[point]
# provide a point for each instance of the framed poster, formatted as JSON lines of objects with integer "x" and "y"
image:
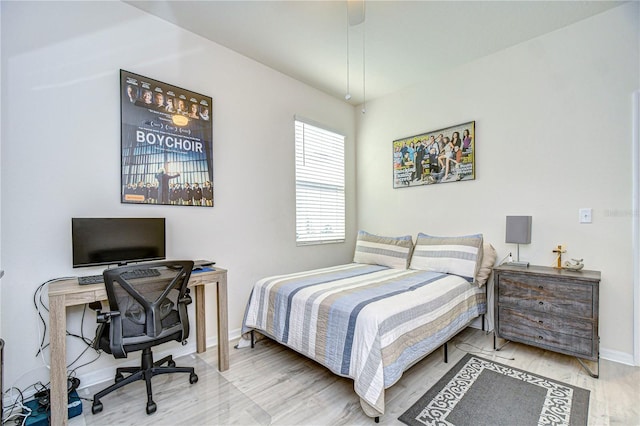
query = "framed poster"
{"x": 166, "y": 142}
{"x": 439, "y": 156}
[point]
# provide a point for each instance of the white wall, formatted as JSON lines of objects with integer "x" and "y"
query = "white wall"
{"x": 60, "y": 158}
{"x": 1, "y": 270}
{"x": 553, "y": 134}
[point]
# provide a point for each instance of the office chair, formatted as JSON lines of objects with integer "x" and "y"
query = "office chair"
{"x": 144, "y": 312}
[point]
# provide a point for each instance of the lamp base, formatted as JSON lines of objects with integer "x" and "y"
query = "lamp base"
{"x": 520, "y": 264}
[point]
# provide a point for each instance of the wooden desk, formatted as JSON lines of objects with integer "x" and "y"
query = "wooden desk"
{"x": 69, "y": 293}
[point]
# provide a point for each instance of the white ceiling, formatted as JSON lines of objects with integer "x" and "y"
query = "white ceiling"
{"x": 405, "y": 41}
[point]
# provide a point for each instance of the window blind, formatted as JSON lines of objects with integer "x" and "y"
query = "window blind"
{"x": 320, "y": 197}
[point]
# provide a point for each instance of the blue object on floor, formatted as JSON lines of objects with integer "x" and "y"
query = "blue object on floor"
{"x": 40, "y": 415}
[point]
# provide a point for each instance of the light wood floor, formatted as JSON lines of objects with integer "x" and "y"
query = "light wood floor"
{"x": 271, "y": 384}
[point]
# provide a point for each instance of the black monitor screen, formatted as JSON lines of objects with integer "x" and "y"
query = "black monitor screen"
{"x": 106, "y": 241}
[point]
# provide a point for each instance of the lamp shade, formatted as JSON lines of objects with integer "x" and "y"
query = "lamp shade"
{"x": 518, "y": 230}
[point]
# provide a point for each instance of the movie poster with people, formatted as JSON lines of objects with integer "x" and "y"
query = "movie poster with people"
{"x": 439, "y": 156}
{"x": 166, "y": 140}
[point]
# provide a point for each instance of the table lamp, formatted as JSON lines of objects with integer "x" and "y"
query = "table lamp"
{"x": 518, "y": 232}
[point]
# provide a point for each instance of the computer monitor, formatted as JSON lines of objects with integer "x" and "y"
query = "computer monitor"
{"x": 108, "y": 241}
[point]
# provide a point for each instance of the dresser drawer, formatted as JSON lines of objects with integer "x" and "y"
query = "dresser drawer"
{"x": 547, "y": 339}
{"x": 542, "y": 321}
{"x": 546, "y": 295}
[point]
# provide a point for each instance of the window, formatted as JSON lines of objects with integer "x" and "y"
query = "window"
{"x": 320, "y": 199}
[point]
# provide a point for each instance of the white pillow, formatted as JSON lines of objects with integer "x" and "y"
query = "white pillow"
{"x": 450, "y": 255}
{"x": 489, "y": 256}
{"x": 393, "y": 252}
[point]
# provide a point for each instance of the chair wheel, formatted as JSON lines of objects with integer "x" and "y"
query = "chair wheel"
{"x": 96, "y": 407}
{"x": 151, "y": 407}
{"x": 172, "y": 363}
{"x": 193, "y": 378}
{"x": 119, "y": 377}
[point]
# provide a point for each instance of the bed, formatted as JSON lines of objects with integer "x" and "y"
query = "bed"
{"x": 372, "y": 319}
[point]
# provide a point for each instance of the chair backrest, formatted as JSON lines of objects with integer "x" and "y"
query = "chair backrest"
{"x": 146, "y": 311}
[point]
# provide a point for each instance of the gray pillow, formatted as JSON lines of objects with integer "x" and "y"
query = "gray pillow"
{"x": 393, "y": 252}
{"x": 450, "y": 255}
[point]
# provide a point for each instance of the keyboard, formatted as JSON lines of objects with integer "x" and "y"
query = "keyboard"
{"x": 136, "y": 273}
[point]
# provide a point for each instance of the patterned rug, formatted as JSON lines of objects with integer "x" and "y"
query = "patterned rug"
{"x": 481, "y": 392}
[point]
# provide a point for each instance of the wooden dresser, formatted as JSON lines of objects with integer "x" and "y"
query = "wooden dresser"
{"x": 550, "y": 308}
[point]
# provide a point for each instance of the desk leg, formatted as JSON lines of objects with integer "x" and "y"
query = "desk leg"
{"x": 223, "y": 325}
{"x": 201, "y": 326}
{"x": 58, "y": 372}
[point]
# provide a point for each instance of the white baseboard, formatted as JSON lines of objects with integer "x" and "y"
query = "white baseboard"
{"x": 477, "y": 323}
{"x": 617, "y": 356}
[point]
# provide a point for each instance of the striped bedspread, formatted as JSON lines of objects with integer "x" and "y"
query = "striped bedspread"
{"x": 366, "y": 322}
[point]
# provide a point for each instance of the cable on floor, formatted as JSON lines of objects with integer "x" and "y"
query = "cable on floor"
{"x": 480, "y": 351}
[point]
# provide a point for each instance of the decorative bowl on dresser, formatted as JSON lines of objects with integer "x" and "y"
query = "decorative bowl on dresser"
{"x": 553, "y": 309}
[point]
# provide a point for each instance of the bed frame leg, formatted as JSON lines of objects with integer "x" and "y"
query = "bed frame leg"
{"x": 446, "y": 358}
{"x": 482, "y": 322}
{"x": 253, "y": 339}
{"x": 376, "y": 419}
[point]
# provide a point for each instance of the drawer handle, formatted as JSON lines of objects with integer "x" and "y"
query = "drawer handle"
{"x": 540, "y": 303}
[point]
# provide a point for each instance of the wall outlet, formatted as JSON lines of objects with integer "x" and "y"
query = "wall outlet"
{"x": 584, "y": 215}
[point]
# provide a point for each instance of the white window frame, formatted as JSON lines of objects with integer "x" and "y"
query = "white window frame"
{"x": 320, "y": 184}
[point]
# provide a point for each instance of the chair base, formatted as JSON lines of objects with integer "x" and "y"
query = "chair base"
{"x": 148, "y": 368}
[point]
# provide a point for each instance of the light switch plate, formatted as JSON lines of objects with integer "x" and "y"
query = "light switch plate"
{"x": 585, "y": 215}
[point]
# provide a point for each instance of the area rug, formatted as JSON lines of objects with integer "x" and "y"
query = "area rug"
{"x": 481, "y": 392}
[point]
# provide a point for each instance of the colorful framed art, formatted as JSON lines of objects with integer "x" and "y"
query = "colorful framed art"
{"x": 438, "y": 156}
